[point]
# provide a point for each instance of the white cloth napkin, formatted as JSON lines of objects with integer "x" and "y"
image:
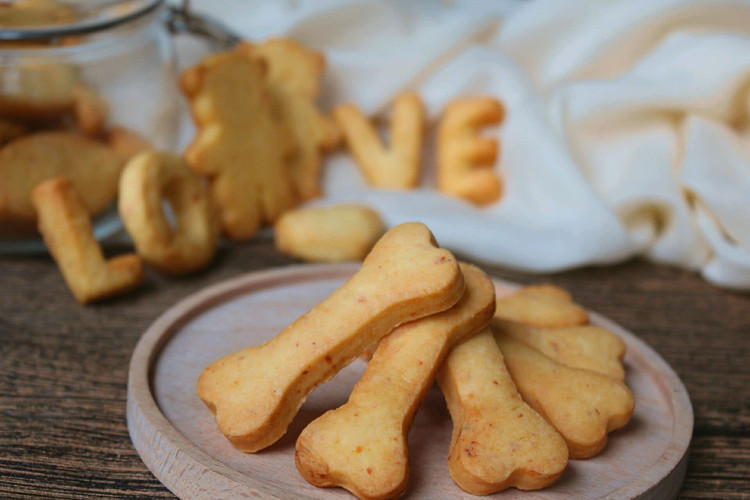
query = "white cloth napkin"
{"x": 628, "y": 129}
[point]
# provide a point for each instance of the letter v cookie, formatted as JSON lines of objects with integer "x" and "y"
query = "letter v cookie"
{"x": 397, "y": 167}
{"x": 255, "y": 393}
{"x": 582, "y": 405}
{"x": 498, "y": 440}
{"x": 362, "y": 446}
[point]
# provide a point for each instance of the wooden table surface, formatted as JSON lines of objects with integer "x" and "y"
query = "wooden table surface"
{"x": 63, "y": 368}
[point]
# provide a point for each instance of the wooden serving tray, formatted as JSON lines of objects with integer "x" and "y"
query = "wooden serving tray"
{"x": 177, "y": 438}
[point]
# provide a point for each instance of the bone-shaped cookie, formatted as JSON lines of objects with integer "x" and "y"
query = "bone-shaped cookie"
{"x": 256, "y": 392}
{"x": 362, "y": 446}
{"x": 541, "y": 305}
{"x": 588, "y": 347}
{"x": 582, "y": 405}
{"x": 498, "y": 440}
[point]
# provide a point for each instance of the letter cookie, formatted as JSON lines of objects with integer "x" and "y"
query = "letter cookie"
{"x": 145, "y": 180}
{"x": 65, "y": 225}
{"x": 541, "y": 305}
{"x": 256, "y": 392}
{"x": 465, "y": 159}
{"x": 294, "y": 74}
{"x": 328, "y": 234}
{"x": 582, "y": 405}
{"x": 498, "y": 440}
{"x": 362, "y": 446}
{"x": 397, "y": 167}
{"x": 240, "y": 145}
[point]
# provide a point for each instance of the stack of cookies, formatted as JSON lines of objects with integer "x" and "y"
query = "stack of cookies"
{"x": 527, "y": 390}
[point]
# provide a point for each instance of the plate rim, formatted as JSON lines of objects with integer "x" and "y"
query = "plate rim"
{"x": 146, "y": 422}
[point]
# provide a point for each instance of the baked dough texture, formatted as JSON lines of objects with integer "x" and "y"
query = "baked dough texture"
{"x": 362, "y": 446}
{"x": 256, "y": 392}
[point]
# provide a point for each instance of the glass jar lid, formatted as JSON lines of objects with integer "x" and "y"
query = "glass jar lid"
{"x": 22, "y": 20}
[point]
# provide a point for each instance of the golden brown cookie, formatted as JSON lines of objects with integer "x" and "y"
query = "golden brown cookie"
{"x": 27, "y": 13}
{"x": 291, "y": 66}
{"x": 66, "y": 228}
{"x": 397, "y": 167}
{"x": 583, "y": 406}
{"x": 256, "y": 392}
{"x": 11, "y": 130}
{"x": 541, "y": 305}
{"x": 240, "y": 145}
{"x": 90, "y": 110}
{"x": 498, "y": 440}
{"x": 294, "y": 73}
{"x": 92, "y": 168}
{"x": 328, "y": 234}
{"x": 147, "y": 179}
{"x": 36, "y": 92}
{"x": 466, "y": 160}
{"x": 126, "y": 143}
{"x": 588, "y": 347}
{"x": 362, "y": 446}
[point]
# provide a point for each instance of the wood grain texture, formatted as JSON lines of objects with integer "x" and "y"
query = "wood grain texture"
{"x": 63, "y": 368}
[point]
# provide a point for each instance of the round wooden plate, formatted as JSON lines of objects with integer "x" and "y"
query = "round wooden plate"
{"x": 177, "y": 438}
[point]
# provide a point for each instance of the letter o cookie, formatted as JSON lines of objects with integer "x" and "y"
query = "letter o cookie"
{"x": 147, "y": 179}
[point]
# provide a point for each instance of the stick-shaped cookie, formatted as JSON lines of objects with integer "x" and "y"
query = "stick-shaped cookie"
{"x": 582, "y": 405}
{"x": 588, "y": 347}
{"x": 90, "y": 110}
{"x": 256, "y": 392}
{"x": 362, "y": 446}
{"x": 397, "y": 167}
{"x": 465, "y": 159}
{"x": 67, "y": 231}
{"x": 498, "y": 440}
{"x": 542, "y": 305}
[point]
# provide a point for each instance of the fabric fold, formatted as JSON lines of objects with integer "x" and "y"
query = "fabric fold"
{"x": 627, "y": 130}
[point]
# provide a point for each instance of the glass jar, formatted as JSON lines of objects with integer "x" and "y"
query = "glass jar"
{"x": 121, "y": 51}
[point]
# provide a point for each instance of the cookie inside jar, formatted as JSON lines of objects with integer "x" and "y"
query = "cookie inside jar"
{"x": 97, "y": 75}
